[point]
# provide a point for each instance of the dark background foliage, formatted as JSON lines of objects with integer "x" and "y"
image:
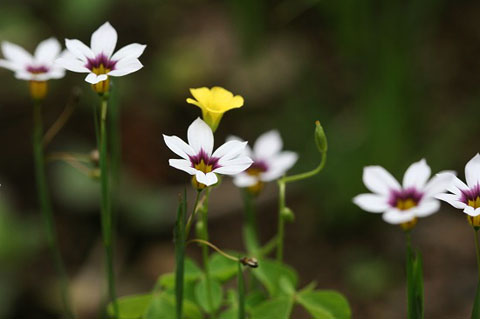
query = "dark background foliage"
{"x": 391, "y": 81}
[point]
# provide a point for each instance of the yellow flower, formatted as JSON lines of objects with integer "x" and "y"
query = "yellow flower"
{"x": 214, "y": 102}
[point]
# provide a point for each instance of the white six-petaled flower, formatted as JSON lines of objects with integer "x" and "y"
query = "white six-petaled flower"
{"x": 39, "y": 67}
{"x": 98, "y": 60}
{"x": 198, "y": 158}
{"x": 466, "y": 196}
{"x": 269, "y": 161}
{"x": 403, "y": 203}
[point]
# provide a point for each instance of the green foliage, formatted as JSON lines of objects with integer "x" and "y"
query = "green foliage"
{"x": 180, "y": 254}
{"x": 324, "y": 304}
{"x": 414, "y": 283}
{"x": 270, "y": 274}
{"x": 191, "y": 273}
{"x": 132, "y": 307}
{"x": 222, "y": 268}
{"x": 276, "y": 308}
{"x": 162, "y": 306}
{"x": 201, "y": 294}
{"x": 241, "y": 293}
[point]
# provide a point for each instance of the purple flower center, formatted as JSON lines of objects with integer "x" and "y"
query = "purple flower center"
{"x": 101, "y": 63}
{"x": 257, "y": 168}
{"x": 203, "y": 162}
{"x": 37, "y": 69}
{"x": 405, "y": 198}
{"x": 471, "y": 196}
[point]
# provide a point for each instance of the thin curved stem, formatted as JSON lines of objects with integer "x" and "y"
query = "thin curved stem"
{"x": 192, "y": 216}
{"x": 477, "y": 249}
{"x": 46, "y": 207}
{"x": 297, "y": 177}
{"x": 281, "y": 219}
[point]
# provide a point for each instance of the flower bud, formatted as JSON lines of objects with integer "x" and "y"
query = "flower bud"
{"x": 287, "y": 214}
{"x": 250, "y": 262}
{"x": 38, "y": 89}
{"x": 320, "y": 138}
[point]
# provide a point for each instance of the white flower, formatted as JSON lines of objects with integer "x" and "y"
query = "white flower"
{"x": 466, "y": 197}
{"x": 403, "y": 204}
{"x": 269, "y": 162}
{"x": 39, "y": 67}
{"x": 198, "y": 159}
{"x": 99, "y": 61}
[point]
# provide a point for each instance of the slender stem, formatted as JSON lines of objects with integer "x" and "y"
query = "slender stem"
{"x": 218, "y": 250}
{"x": 281, "y": 219}
{"x": 250, "y": 231}
{"x": 241, "y": 293}
{"x": 192, "y": 216}
{"x": 106, "y": 215}
{"x": 46, "y": 207}
{"x": 205, "y": 253}
{"x": 268, "y": 247}
{"x": 297, "y": 177}
{"x": 59, "y": 123}
{"x": 477, "y": 248}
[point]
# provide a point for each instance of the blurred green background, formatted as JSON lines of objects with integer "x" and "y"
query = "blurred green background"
{"x": 391, "y": 81}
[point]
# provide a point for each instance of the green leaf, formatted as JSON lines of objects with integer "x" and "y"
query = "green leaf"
{"x": 277, "y": 308}
{"x": 270, "y": 273}
{"x": 324, "y": 304}
{"x": 201, "y": 294}
{"x": 222, "y": 268}
{"x": 191, "y": 273}
{"x": 131, "y": 307}
{"x": 162, "y": 306}
{"x": 414, "y": 283}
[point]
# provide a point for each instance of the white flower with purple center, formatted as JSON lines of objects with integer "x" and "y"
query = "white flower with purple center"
{"x": 402, "y": 204}
{"x": 269, "y": 161}
{"x": 38, "y": 67}
{"x": 198, "y": 158}
{"x": 466, "y": 196}
{"x": 99, "y": 61}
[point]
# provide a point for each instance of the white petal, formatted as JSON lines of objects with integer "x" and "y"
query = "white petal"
{"x": 247, "y": 150}
{"x": 56, "y": 73}
{"x": 395, "y": 216}
{"x": 439, "y": 183}
{"x": 457, "y": 186}
{"x": 178, "y": 146}
{"x": 452, "y": 199}
{"x": 417, "y": 175}
{"x": 24, "y": 75}
{"x": 469, "y": 210}
{"x": 200, "y": 137}
{"x": 378, "y": 180}
{"x": 16, "y": 54}
{"x": 7, "y": 64}
{"x": 71, "y": 63}
{"x": 234, "y": 166}
{"x": 267, "y": 144}
{"x": 47, "y": 51}
{"x": 472, "y": 171}
{"x": 126, "y": 66}
{"x": 92, "y": 78}
{"x": 104, "y": 40}
{"x": 372, "y": 203}
{"x": 182, "y": 165}
{"x": 244, "y": 180}
{"x": 131, "y": 51}
{"x": 79, "y": 50}
{"x": 207, "y": 179}
{"x": 229, "y": 150}
{"x": 279, "y": 165}
{"x": 427, "y": 207}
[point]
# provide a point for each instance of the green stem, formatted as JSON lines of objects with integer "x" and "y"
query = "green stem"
{"x": 205, "y": 253}
{"x": 241, "y": 293}
{"x": 477, "y": 249}
{"x": 46, "y": 207}
{"x": 106, "y": 215}
{"x": 281, "y": 219}
{"x": 297, "y": 177}
{"x": 250, "y": 231}
{"x": 192, "y": 216}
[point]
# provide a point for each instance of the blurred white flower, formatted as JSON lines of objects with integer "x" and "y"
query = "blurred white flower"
{"x": 198, "y": 159}
{"x": 99, "y": 61}
{"x": 403, "y": 204}
{"x": 269, "y": 161}
{"x": 466, "y": 196}
{"x": 39, "y": 67}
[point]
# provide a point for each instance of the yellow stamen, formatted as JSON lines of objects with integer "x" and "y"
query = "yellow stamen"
{"x": 38, "y": 89}
{"x": 474, "y": 203}
{"x": 204, "y": 168}
{"x": 409, "y": 225}
{"x": 474, "y": 221}
{"x": 103, "y": 86}
{"x": 256, "y": 188}
{"x": 404, "y": 204}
